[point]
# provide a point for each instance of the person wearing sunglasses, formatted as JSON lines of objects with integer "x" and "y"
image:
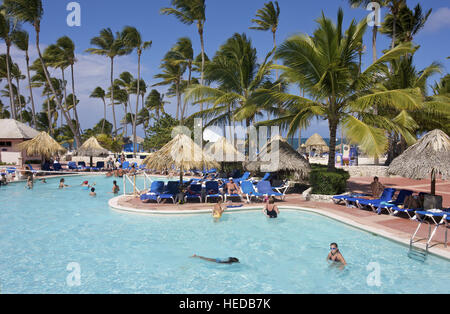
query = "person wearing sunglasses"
{"x": 335, "y": 255}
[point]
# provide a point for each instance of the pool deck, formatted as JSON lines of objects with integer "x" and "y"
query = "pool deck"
{"x": 398, "y": 229}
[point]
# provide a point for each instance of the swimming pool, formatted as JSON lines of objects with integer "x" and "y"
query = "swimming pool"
{"x": 44, "y": 230}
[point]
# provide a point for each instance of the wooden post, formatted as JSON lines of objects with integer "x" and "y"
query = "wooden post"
{"x": 433, "y": 182}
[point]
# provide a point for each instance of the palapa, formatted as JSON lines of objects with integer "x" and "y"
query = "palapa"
{"x": 430, "y": 156}
{"x": 92, "y": 148}
{"x": 42, "y": 145}
{"x": 317, "y": 143}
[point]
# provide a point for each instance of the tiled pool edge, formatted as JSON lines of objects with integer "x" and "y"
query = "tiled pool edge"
{"x": 113, "y": 204}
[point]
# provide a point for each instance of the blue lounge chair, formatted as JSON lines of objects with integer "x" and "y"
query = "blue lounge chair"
{"x": 436, "y": 217}
{"x": 387, "y": 196}
{"x": 266, "y": 176}
{"x": 244, "y": 177}
{"x": 341, "y": 198}
{"x": 353, "y": 200}
{"x": 100, "y": 165}
{"x": 170, "y": 192}
{"x": 379, "y": 206}
{"x": 212, "y": 190}
{"x": 126, "y": 165}
{"x": 82, "y": 166}
{"x": 57, "y": 167}
{"x": 248, "y": 190}
{"x": 156, "y": 190}
{"x": 46, "y": 167}
{"x": 196, "y": 192}
{"x": 72, "y": 165}
{"x": 265, "y": 188}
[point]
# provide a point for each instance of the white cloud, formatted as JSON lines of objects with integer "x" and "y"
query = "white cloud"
{"x": 440, "y": 19}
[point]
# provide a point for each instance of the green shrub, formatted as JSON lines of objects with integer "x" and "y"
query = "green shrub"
{"x": 328, "y": 183}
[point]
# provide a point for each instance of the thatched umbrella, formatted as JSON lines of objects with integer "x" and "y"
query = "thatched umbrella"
{"x": 221, "y": 149}
{"x": 92, "y": 148}
{"x": 429, "y": 156}
{"x": 42, "y": 145}
{"x": 316, "y": 142}
{"x": 181, "y": 152}
{"x": 288, "y": 159}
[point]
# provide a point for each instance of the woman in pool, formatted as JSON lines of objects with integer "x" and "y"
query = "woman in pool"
{"x": 271, "y": 210}
{"x": 335, "y": 255}
{"x": 229, "y": 260}
{"x": 85, "y": 185}
{"x": 30, "y": 182}
{"x": 116, "y": 188}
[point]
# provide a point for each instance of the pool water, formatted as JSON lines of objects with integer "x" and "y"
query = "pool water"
{"x": 45, "y": 229}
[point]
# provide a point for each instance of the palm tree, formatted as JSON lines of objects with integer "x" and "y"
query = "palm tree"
{"x": 21, "y": 40}
{"x": 100, "y": 93}
{"x": 4, "y": 113}
{"x": 155, "y": 101}
{"x": 7, "y": 30}
{"x": 111, "y": 46}
{"x": 239, "y": 78}
{"x": 133, "y": 39}
{"x": 408, "y": 24}
{"x": 31, "y": 11}
{"x": 17, "y": 75}
{"x": 189, "y": 12}
{"x": 172, "y": 74}
{"x": 326, "y": 66}
{"x": 268, "y": 18}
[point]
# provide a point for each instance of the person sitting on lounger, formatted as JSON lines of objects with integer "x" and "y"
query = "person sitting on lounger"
{"x": 335, "y": 255}
{"x": 413, "y": 201}
{"x": 92, "y": 193}
{"x": 62, "y": 185}
{"x": 271, "y": 210}
{"x": 229, "y": 260}
{"x": 232, "y": 188}
{"x": 376, "y": 187}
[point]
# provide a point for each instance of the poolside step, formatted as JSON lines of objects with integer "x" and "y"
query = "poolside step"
{"x": 417, "y": 254}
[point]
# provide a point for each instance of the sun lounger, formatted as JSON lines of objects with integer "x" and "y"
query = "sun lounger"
{"x": 434, "y": 217}
{"x": 170, "y": 192}
{"x": 265, "y": 188}
{"x": 248, "y": 190}
{"x": 156, "y": 190}
{"x": 57, "y": 167}
{"x": 82, "y": 166}
{"x": 387, "y": 195}
{"x": 72, "y": 165}
{"x": 212, "y": 190}
{"x": 100, "y": 165}
{"x": 377, "y": 205}
{"x": 196, "y": 192}
{"x": 266, "y": 176}
{"x": 282, "y": 188}
{"x": 337, "y": 199}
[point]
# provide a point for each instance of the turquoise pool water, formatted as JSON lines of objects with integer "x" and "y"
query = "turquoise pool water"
{"x": 43, "y": 230}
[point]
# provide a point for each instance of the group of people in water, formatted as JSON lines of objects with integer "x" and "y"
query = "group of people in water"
{"x": 86, "y": 186}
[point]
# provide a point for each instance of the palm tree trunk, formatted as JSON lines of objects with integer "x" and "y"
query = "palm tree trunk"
{"x": 137, "y": 105}
{"x": 49, "y": 115}
{"x": 332, "y": 124}
{"x": 376, "y": 159}
{"x": 112, "y": 96}
{"x": 11, "y": 93}
{"x": 104, "y": 115}
{"x": 74, "y": 99}
{"x": 178, "y": 99}
{"x": 126, "y": 121}
{"x": 19, "y": 101}
{"x": 33, "y": 110}
{"x": 65, "y": 95}
{"x": 58, "y": 101}
{"x": 202, "y": 79}
{"x": 275, "y": 47}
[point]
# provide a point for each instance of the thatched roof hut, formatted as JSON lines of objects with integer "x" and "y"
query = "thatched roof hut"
{"x": 181, "y": 152}
{"x": 42, "y": 145}
{"x": 316, "y": 143}
{"x": 288, "y": 160}
{"x": 429, "y": 156}
{"x": 224, "y": 151}
{"x": 92, "y": 148}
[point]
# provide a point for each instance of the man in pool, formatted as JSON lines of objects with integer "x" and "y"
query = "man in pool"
{"x": 92, "y": 193}
{"x": 218, "y": 210}
{"x": 62, "y": 185}
{"x": 335, "y": 255}
{"x": 229, "y": 260}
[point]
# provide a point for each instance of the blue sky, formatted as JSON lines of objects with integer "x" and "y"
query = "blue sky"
{"x": 224, "y": 18}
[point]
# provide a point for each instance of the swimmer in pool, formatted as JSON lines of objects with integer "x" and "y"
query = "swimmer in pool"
{"x": 85, "y": 185}
{"x": 335, "y": 255}
{"x": 218, "y": 210}
{"x": 271, "y": 210}
{"x": 229, "y": 260}
{"x": 62, "y": 185}
{"x": 92, "y": 193}
{"x": 116, "y": 188}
